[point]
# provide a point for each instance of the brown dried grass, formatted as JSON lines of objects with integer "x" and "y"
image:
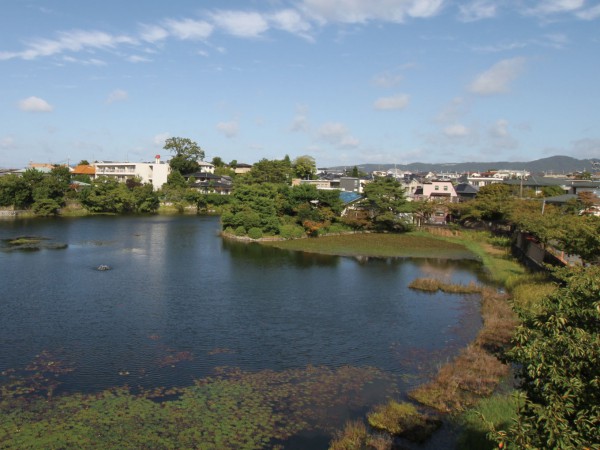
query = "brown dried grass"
{"x": 434, "y": 285}
{"x": 475, "y": 372}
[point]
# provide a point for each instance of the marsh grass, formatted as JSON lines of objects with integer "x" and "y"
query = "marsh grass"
{"x": 378, "y": 245}
{"x": 489, "y": 414}
{"x": 473, "y": 374}
{"x": 403, "y": 419}
{"x": 434, "y": 285}
{"x": 355, "y": 436}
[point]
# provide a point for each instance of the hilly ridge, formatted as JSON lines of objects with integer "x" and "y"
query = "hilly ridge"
{"x": 554, "y": 164}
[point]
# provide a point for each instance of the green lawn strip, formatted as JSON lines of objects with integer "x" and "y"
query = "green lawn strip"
{"x": 419, "y": 245}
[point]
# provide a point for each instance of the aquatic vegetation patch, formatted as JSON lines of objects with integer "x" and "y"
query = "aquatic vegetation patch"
{"x": 403, "y": 419}
{"x": 473, "y": 374}
{"x": 355, "y": 436}
{"x": 174, "y": 357}
{"x": 29, "y": 243}
{"x": 220, "y": 351}
{"x": 434, "y": 285}
{"x": 232, "y": 410}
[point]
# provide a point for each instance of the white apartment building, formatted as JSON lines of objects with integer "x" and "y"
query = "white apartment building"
{"x": 154, "y": 173}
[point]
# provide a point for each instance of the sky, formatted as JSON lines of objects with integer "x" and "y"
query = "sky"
{"x": 347, "y": 82}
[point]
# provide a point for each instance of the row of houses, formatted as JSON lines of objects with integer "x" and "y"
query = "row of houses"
{"x": 154, "y": 172}
{"x": 442, "y": 187}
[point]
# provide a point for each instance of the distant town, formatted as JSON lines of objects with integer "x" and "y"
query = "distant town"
{"x": 446, "y": 185}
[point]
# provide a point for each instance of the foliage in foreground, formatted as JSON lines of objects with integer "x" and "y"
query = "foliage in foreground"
{"x": 558, "y": 352}
{"x": 494, "y": 413}
{"x": 233, "y": 410}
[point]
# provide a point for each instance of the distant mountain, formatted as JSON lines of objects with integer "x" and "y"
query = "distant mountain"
{"x": 554, "y": 164}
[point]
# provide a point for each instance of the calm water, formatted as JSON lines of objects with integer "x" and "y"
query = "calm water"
{"x": 178, "y": 291}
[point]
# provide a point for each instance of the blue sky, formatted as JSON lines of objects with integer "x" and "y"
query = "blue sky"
{"x": 344, "y": 81}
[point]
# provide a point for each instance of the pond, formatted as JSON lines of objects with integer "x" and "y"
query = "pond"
{"x": 179, "y": 304}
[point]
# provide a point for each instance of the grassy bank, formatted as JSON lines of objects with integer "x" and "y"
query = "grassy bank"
{"x": 417, "y": 245}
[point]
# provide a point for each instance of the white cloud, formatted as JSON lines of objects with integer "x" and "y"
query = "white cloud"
{"x": 500, "y": 136}
{"x": 361, "y": 11}
{"x": 497, "y": 79}
{"x": 35, "y": 104}
{"x": 546, "y": 7}
{"x": 585, "y": 148}
{"x": 477, "y": 10}
{"x": 118, "y": 95}
{"x": 7, "y": 143}
{"x": 138, "y": 59}
{"x": 161, "y": 138}
{"x": 73, "y": 41}
{"x": 188, "y": 29}
{"x": 291, "y": 21}
{"x": 456, "y": 130}
{"x": 399, "y": 101}
{"x": 300, "y": 122}
{"x": 153, "y": 33}
{"x": 85, "y": 62}
{"x": 590, "y": 13}
{"x": 337, "y": 134}
{"x": 454, "y": 111}
{"x": 228, "y": 129}
{"x": 241, "y": 23}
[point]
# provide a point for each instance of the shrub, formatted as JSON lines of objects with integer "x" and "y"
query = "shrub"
{"x": 338, "y": 228}
{"x": 46, "y": 207}
{"x": 255, "y": 233}
{"x": 291, "y": 231}
{"x": 240, "y": 231}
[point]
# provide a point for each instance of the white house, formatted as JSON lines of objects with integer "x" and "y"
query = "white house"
{"x": 154, "y": 173}
{"x": 436, "y": 190}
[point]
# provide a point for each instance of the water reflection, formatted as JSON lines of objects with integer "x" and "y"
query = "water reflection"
{"x": 268, "y": 256}
{"x": 180, "y": 301}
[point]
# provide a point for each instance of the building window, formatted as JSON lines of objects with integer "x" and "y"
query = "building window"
{"x": 445, "y": 188}
{"x": 437, "y": 188}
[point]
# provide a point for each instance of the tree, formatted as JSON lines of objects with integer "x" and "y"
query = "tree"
{"x": 557, "y": 353}
{"x": 422, "y": 211}
{"x": 217, "y": 162}
{"x": 492, "y": 203}
{"x": 385, "y": 201}
{"x": 354, "y": 172}
{"x": 258, "y": 205}
{"x": 552, "y": 191}
{"x": 580, "y": 235}
{"x": 107, "y": 195}
{"x": 531, "y": 216}
{"x": 268, "y": 171}
{"x": 175, "y": 179}
{"x": 15, "y": 191}
{"x": 304, "y": 167}
{"x": 187, "y": 154}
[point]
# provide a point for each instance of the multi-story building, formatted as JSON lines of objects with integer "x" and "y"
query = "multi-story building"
{"x": 153, "y": 173}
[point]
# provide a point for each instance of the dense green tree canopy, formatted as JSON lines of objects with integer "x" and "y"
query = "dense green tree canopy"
{"x": 557, "y": 353}
{"x": 107, "y": 195}
{"x": 269, "y": 171}
{"x": 304, "y": 167}
{"x": 385, "y": 201}
{"x": 186, "y": 152}
{"x": 45, "y": 193}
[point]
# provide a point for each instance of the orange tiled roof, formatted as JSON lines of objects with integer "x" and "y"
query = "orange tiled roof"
{"x": 84, "y": 170}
